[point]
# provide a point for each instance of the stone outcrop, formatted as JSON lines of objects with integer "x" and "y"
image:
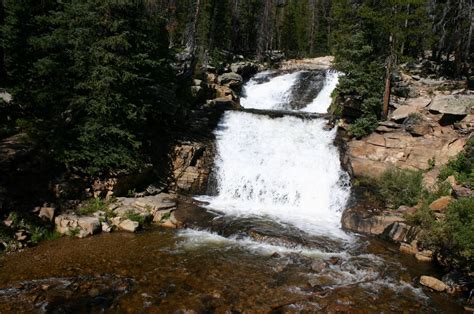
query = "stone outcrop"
{"x": 80, "y": 226}
{"x": 453, "y": 104}
{"x": 440, "y": 204}
{"x": 367, "y": 222}
{"x": 191, "y": 164}
{"x": 397, "y": 147}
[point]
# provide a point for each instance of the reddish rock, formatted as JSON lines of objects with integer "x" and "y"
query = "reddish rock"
{"x": 440, "y": 204}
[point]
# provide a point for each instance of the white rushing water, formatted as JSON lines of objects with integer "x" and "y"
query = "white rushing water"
{"x": 322, "y": 102}
{"x": 286, "y": 168}
{"x": 274, "y": 94}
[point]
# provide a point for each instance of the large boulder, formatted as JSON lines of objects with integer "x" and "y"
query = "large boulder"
{"x": 403, "y": 112}
{"x": 433, "y": 283}
{"x": 366, "y": 222}
{"x": 80, "y": 226}
{"x": 233, "y": 80}
{"x": 245, "y": 69}
{"x": 453, "y": 104}
{"x": 440, "y": 204}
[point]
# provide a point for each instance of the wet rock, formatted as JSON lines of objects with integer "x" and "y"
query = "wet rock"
{"x": 318, "y": 266}
{"x": 365, "y": 222}
{"x": 129, "y": 225}
{"x": 433, "y": 283}
{"x": 334, "y": 260}
{"x": 457, "y": 281}
{"x": 47, "y": 213}
{"x": 440, "y": 204}
{"x": 409, "y": 248}
{"x": 223, "y": 103}
{"x": 400, "y": 232}
{"x": 424, "y": 256}
{"x": 106, "y": 227}
{"x": 452, "y": 104}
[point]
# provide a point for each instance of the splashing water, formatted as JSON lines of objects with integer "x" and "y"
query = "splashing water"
{"x": 285, "y": 168}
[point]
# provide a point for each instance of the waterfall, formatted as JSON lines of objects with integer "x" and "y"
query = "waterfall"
{"x": 284, "y": 168}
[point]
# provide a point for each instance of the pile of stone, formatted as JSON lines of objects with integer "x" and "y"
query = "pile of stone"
{"x": 125, "y": 214}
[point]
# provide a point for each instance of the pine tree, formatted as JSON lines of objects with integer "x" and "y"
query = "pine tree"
{"x": 99, "y": 82}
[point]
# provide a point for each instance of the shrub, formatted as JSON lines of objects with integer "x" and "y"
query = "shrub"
{"x": 400, "y": 187}
{"x": 363, "y": 126}
{"x": 91, "y": 206}
{"x": 462, "y": 167}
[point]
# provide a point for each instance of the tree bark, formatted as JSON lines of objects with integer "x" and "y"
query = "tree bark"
{"x": 388, "y": 80}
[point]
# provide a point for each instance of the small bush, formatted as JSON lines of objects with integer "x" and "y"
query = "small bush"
{"x": 400, "y": 187}
{"x": 363, "y": 126}
{"x": 39, "y": 234}
{"x": 413, "y": 119}
{"x": 462, "y": 167}
{"x": 92, "y": 206}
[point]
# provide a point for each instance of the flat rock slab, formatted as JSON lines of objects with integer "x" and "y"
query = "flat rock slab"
{"x": 403, "y": 112}
{"x": 453, "y": 104}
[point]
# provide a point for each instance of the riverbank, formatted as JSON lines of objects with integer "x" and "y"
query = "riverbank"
{"x": 427, "y": 132}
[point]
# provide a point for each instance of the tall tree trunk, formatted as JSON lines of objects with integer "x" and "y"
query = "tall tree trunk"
{"x": 402, "y": 49}
{"x": 388, "y": 79}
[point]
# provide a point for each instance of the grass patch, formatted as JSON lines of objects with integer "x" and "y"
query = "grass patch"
{"x": 39, "y": 234}
{"x": 91, "y": 206}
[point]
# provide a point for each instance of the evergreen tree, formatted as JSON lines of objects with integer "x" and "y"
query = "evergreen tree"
{"x": 99, "y": 82}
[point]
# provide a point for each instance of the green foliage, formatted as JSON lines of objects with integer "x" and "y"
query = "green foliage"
{"x": 453, "y": 236}
{"x": 400, "y": 187}
{"x": 94, "y": 78}
{"x": 42, "y": 234}
{"x": 363, "y": 126}
{"x": 91, "y": 206}
{"x": 134, "y": 216}
{"x": 462, "y": 167}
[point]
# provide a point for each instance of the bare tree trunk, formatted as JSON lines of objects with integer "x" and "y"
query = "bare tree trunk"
{"x": 192, "y": 27}
{"x": 388, "y": 79}
{"x": 402, "y": 49}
